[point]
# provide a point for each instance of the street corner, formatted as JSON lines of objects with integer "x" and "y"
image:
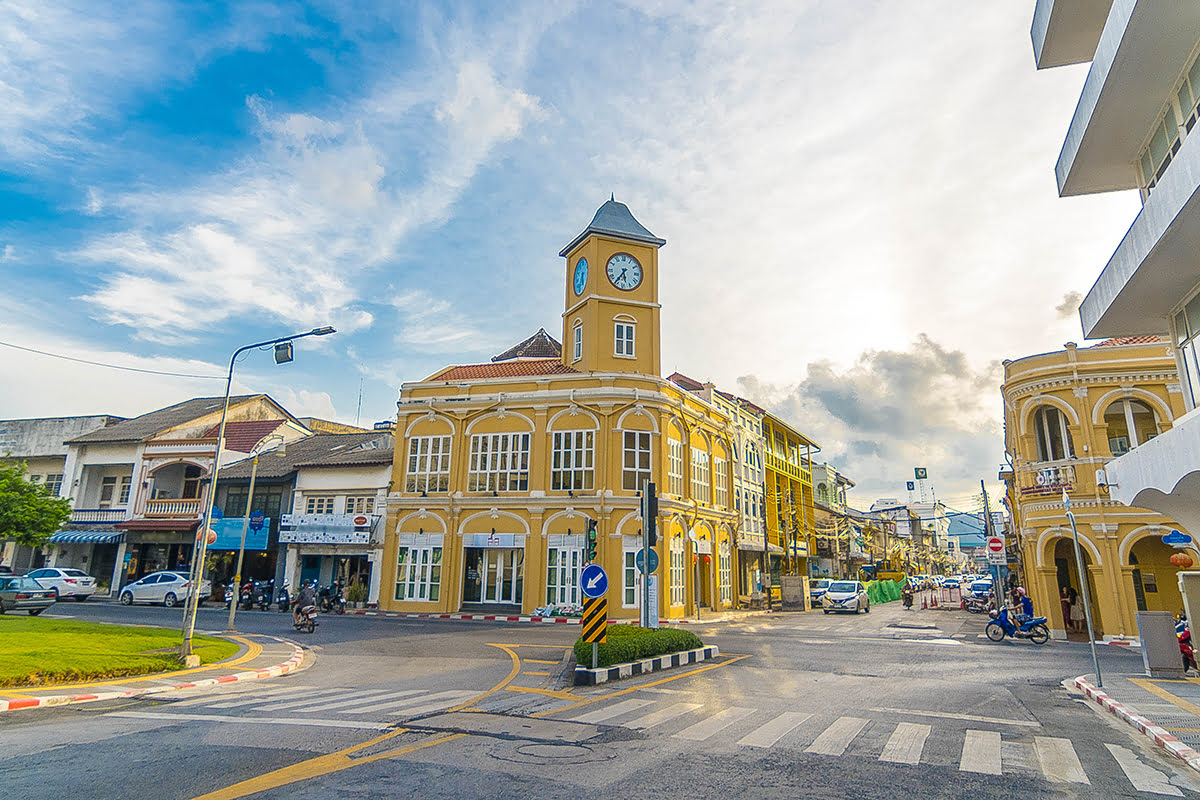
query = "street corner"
{"x": 1175, "y": 731}
{"x": 260, "y": 657}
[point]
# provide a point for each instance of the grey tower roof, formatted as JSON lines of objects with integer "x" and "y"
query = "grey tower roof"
{"x": 615, "y": 219}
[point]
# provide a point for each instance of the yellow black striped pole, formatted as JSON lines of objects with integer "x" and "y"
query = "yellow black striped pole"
{"x": 595, "y": 619}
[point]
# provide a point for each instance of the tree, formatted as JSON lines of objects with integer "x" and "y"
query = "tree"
{"x": 29, "y": 513}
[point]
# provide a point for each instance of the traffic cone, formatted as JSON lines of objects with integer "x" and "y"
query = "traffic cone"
{"x": 924, "y": 602}
{"x": 933, "y": 601}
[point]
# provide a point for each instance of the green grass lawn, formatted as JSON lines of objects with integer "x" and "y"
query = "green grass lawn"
{"x": 41, "y": 651}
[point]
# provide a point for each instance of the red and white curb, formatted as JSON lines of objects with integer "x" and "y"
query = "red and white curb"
{"x": 1131, "y": 715}
{"x": 534, "y": 619}
{"x": 291, "y": 665}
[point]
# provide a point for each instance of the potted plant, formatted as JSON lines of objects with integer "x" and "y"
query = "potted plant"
{"x": 357, "y": 595}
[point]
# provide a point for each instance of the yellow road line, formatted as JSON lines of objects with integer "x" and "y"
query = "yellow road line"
{"x": 253, "y": 650}
{"x": 539, "y": 661}
{"x": 1149, "y": 686}
{"x": 539, "y": 674}
{"x": 547, "y": 692}
{"x": 590, "y": 700}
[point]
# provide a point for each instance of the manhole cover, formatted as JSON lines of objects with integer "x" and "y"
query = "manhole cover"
{"x": 572, "y": 751}
{"x": 546, "y": 754}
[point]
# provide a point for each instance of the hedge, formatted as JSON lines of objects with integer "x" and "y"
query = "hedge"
{"x": 631, "y": 643}
{"x": 880, "y": 592}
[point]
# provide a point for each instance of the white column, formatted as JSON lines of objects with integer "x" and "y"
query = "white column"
{"x": 118, "y": 569}
{"x": 376, "y": 559}
{"x": 291, "y": 572}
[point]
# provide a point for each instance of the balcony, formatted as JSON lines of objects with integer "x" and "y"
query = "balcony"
{"x": 793, "y": 471}
{"x": 99, "y": 515}
{"x": 1142, "y": 51}
{"x": 1163, "y": 474}
{"x": 1050, "y": 481}
{"x": 1155, "y": 265}
{"x": 173, "y": 507}
{"x": 1066, "y": 31}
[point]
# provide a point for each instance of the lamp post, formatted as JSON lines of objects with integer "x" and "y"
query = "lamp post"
{"x": 1083, "y": 585}
{"x": 283, "y": 354}
{"x": 237, "y": 573}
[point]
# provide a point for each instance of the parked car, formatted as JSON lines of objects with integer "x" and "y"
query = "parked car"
{"x": 982, "y": 588}
{"x": 168, "y": 588}
{"x": 816, "y": 589}
{"x": 951, "y": 583}
{"x": 65, "y": 582}
{"x": 846, "y": 596}
{"x": 21, "y": 593}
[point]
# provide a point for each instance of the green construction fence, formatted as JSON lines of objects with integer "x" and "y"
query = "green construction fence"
{"x": 883, "y": 591}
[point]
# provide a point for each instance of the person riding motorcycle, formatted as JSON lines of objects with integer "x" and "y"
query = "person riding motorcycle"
{"x": 906, "y": 594}
{"x": 307, "y": 597}
{"x": 1025, "y": 607}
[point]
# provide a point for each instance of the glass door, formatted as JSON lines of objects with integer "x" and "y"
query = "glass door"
{"x": 502, "y": 573}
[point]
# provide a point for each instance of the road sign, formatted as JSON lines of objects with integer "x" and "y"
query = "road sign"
{"x": 995, "y": 544}
{"x": 256, "y": 520}
{"x": 1177, "y": 539}
{"x": 640, "y": 561}
{"x": 595, "y": 619}
{"x": 594, "y": 581}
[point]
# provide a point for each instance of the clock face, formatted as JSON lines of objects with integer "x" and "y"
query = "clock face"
{"x": 624, "y": 271}
{"x": 580, "y": 275}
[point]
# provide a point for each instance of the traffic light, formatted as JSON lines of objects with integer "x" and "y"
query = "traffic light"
{"x": 591, "y": 540}
{"x": 650, "y": 519}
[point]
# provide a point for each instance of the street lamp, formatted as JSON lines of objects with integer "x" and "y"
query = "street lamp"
{"x": 1083, "y": 585}
{"x": 237, "y": 573}
{"x": 197, "y": 571}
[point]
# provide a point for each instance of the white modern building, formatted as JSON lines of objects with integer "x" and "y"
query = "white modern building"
{"x": 1132, "y": 129}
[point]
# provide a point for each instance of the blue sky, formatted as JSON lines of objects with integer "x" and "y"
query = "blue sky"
{"x": 858, "y": 199}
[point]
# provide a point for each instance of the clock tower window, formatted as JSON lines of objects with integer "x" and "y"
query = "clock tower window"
{"x": 578, "y": 342}
{"x": 624, "y": 339}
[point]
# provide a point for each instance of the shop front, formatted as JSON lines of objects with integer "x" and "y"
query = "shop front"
{"x": 258, "y": 561}
{"x": 155, "y": 545}
{"x": 493, "y": 571}
{"x": 94, "y": 550}
{"x": 329, "y": 548}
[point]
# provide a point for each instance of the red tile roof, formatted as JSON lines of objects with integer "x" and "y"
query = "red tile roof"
{"x": 503, "y": 369}
{"x": 242, "y": 436}
{"x": 1122, "y": 340}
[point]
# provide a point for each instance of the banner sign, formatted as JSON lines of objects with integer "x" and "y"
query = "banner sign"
{"x": 327, "y": 528}
{"x": 229, "y": 534}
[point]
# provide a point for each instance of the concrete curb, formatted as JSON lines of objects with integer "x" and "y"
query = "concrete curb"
{"x": 536, "y": 619}
{"x": 1133, "y": 717}
{"x": 293, "y": 664}
{"x": 592, "y": 677}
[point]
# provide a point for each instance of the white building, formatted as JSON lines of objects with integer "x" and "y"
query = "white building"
{"x": 1132, "y": 129}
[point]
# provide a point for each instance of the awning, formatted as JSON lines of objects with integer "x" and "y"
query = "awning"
{"x": 88, "y": 537}
{"x": 773, "y": 549}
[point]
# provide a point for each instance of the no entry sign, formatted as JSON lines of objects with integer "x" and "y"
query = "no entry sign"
{"x": 995, "y": 550}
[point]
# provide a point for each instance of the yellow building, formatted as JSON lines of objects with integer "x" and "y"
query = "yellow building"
{"x": 500, "y": 466}
{"x": 791, "y": 516}
{"x": 1066, "y": 414}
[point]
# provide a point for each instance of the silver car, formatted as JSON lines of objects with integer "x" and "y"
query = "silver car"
{"x": 846, "y": 596}
{"x": 168, "y": 588}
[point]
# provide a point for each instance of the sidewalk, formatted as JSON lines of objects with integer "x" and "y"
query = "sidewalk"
{"x": 706, "y": 617}
{"x": 259, "y": 657}
{"x": 1165, "y": 710}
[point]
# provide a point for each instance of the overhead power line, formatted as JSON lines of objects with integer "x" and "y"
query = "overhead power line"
{"x": 113, "y": 366}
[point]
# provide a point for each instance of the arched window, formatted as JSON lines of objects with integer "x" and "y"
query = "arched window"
{"x": 1130, "y": 423}
{"x": 1053, "y": 438}
{"x": 678, "y": 590}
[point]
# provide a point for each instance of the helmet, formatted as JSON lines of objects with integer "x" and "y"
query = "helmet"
{"x": 1021, "y": 591}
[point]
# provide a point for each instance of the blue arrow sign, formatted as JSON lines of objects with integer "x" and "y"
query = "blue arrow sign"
{"x": 1177, "y": 538}
{"x": 640, "y": 560}
{"x": 593, "y": 581}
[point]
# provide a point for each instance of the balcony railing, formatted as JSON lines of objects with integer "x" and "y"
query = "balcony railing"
{"x": 173, "y": 507}
{"x": 97, "y": 514}
{"x": 172, "y": 446}
{"x": 1049, "y": 480}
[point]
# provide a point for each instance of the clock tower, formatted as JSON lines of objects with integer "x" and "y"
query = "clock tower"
{"x": 611, "y": 322}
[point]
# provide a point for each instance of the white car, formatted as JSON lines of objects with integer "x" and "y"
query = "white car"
{"x": 846, "y": 596}
{"x": 65, "y": 582}
{"x": 168, "y": 588}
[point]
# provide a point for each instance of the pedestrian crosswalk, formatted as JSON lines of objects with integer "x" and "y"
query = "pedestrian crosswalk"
{"x": 387, "y": 704}
{"x": 969, "y": 749}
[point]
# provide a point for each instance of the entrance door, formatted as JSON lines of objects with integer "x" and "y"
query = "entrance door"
{"x": 493, "y": 576}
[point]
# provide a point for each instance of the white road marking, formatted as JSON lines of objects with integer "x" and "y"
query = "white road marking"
{"x": 289, "y": 703}
{"x": 1143, "y": 777}
{"x": 981, "y": 753}
{"x": 952, "y": 642}
{"x": 967, "y": 717}
{"x": 395, "y": 704}
{"x": 776, "y": 729}
{"x": 1059, "y": 762}
{"x": 319, "y": 723}
{"x": 717, "y": 722}
{"x": 661, "y": 716}
{"x": 906, "y": 743}
{"x": 261, "y": 696}
{"x": 615, "y": 710}
{"x": 834, "y": 740}
{"x": 448, "y": 699}
{"x": 321, "y": 705}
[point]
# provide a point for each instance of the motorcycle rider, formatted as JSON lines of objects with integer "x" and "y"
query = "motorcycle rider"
{"x": 906, "y": 594}
{"x": 1025, "y": 609}
{"x": 307, "y": 597}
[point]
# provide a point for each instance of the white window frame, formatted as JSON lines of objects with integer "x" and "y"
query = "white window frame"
{"x": 418, "y": 574}
{"x": 725, "y": 573}
{"x": 318, "y": 504}
{"x": 678, "y": 573}
{"x": 563, "y": 565}
{"x": 499, "y": 462}
{"x": 428, "y": 464}
{"x": 123, "y": 492}
{"x": 701, "y": 479}
{"x": 624, "y": 339}
{"x": 1126, "y": 404}
{"x": 577, "y": 352}
{"x": 720, "y": 483}
{"x": 360, "y": 504}
{"x": 573, "y": 460}
{"x": 54, "y": 482}
{"x": 675, "y": 467}
{"x": 636, "y": 449}
{"x": 629, "y": 580}
{"x": 1045, "y": 441}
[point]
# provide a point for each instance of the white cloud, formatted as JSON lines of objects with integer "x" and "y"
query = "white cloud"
{"x": 429, "y": 325}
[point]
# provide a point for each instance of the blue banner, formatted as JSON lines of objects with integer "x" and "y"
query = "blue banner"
{"x": 229, "y": 534}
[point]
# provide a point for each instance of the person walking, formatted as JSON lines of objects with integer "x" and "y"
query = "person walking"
{"x": 1064, "y": 599}
{"x": 1076, "y": 612}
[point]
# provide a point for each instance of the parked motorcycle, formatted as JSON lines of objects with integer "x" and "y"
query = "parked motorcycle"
{"x": 263, "y": 594}
{"x": 977, "y": 605}
{"x": 1033, "y": 629}
{"x": 246, "y": 596}
{"x": 284, "y": 598}
{"x": 306, "y": 619}
{"x": 331, "y": 600}
{"x": 229, "y": 594}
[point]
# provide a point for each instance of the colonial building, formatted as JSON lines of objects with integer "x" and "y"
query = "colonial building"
{"x": 501, "y": 468}
{"x": 1067, "y": 415}
{"x": 788, "y": 495}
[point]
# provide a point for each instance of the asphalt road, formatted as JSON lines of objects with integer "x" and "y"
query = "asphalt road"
{"x": 882, "y": 705}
